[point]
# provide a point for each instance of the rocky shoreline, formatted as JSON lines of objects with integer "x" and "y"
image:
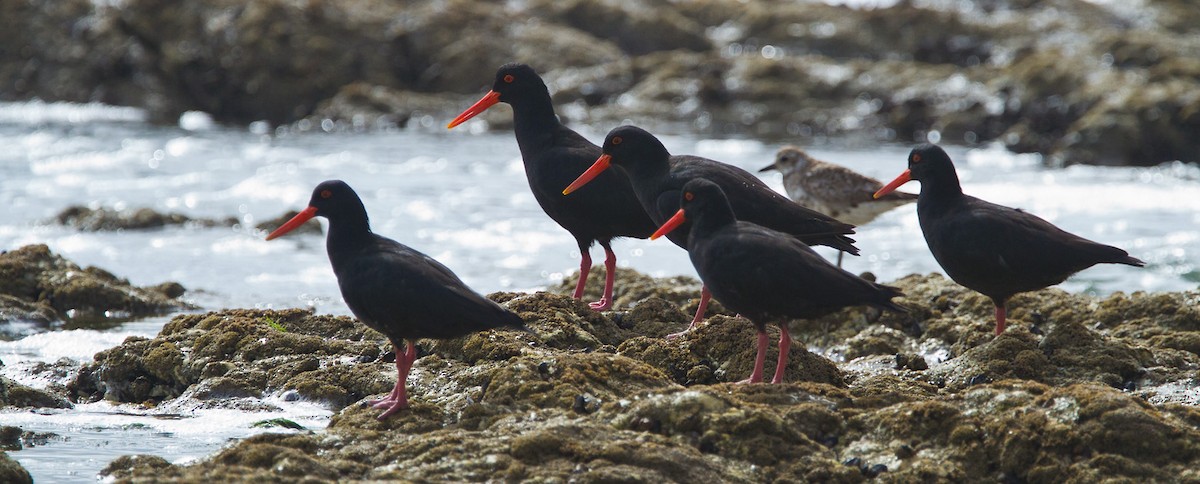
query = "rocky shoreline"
{"x": 1077, "y": 81}
{"x": 1078, "y": 389}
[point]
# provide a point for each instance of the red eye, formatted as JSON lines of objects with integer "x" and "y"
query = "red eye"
{"x": 509, "y": 78}
{"x": 616, "y": 140}
{"x": 916, "y": 158}
{"x": 326, "y": 194}
{"x": 688, "y": 196}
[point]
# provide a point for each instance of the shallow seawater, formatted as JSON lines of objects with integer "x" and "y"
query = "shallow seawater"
{"x": 461, "y": 197}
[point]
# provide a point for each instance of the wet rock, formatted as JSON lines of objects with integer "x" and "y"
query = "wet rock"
{"x": 11, "y": 470}
{"x": 120, "y": 467}
{"x": 10, "y": 438}
{"x": 13, "y": 394}
{"x": 875, "y": 341}
{"x": 235, "y": 354}
{"x": 601, "y": 396}
{"x": 13, "y": 308}
{"x": 312, "y": 227}
{"x": 48, "y": 284}
{"x": 105, "y": 219}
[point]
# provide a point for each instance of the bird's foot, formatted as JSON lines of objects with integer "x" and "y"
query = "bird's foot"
{"x": 679, "y": 334}
{"x": 382, "y": 403}
{"x": 602, "y": 305}
{"x": 747, "y": 381}
{"x": 395, "y": 406}
{"x": 690, "y": 328}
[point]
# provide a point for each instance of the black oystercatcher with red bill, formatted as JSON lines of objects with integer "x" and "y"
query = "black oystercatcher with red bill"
{"x": 995, "y": 250}
{"x": 554, "y": 155}
{"x": 763, "y": 274}
{"x": 392, "y": 288}
{"x": 658, "y": 177}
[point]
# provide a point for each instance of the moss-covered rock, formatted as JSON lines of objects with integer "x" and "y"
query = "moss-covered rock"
{"x": 36, "y": 284}
{"x": 13, "y": 394}
{"x": 11, "y": 470}
{"x": 1078, "y": 388}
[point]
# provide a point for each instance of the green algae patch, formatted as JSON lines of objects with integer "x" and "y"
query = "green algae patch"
{"x": 565, "y": 323}
{"x": 717, "y": 420}
{"x": 557, "y": 381}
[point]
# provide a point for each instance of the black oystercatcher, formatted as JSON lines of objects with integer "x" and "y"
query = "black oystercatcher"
{"x": 554, "y": 155}
{"x": 658, "y": 177}
{"x": 995, "y": 250}
{"x": 392, "y": 288}
{"x": 763, "y": 274}
{"x": 833, "y": 190}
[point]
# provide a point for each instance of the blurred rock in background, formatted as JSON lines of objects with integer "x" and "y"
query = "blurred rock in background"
{"x": 1080, "y": 82}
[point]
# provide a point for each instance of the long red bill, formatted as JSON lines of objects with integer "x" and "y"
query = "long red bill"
{"x": 592, "y": 172}
{"x": 488, "y": 100}
{"x": 296, "y": 221}
{"x": 894, "y": 184}
{"x": 673, "y": 223}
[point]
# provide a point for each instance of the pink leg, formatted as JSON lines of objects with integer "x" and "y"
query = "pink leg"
{"x": 402, "y": 369}
{"x": 585, "y": 266}
{"x": 756, "y": 376}
{"x": 396, "y": 389}
{"x": 785, "y": 345}
{"x": 1001, "y": 313}
{"x": 699, "y": 318}
{"x": 610, "y": 269}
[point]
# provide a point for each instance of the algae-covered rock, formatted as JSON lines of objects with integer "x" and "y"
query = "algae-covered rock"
{"x": 1077, "y": 389}
{"x": 723, "y": 349}
{"x": 119, "y": 468}
{"x": 11, "y": 470}
{"x": 13, "y": 394}
{"x": 47, "y": 286}
{"x": 235, "y": 354}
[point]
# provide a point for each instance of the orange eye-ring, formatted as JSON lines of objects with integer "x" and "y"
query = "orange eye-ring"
{"x": 688, "y": 196}
{"x": 509, "y": 78}
{"x": 616, "y": 140}
{"x": 916, "y": 158}
{"x": 326, "y": 194}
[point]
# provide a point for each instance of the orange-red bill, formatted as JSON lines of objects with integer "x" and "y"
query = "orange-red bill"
{"x": 672, "y": 223}
{"x": 894, "y": 184}
{"x": 488, "y": 100}
{"x": 592, "y": 172}
{"x": 296, "y": 221}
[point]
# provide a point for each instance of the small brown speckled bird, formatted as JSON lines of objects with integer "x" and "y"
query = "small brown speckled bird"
{"x": 833, "y": 190}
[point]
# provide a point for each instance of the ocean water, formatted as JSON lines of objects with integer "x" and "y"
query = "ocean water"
{"x": 461, "y": 197}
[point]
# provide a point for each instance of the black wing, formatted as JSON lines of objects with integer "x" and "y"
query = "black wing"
{"x": 754, "y": 201}
{"x": 406, "y": 294}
